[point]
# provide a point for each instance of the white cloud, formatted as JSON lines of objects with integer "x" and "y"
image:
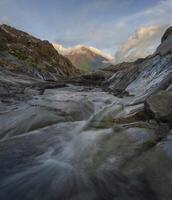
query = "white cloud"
{"x": 117, "y": 35}
{"x": 142, "y": 43}
{"x": 152, "y": 23}
{"x": 112, "y": 34}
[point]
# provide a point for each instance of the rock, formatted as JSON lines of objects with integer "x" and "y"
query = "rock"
{"x": 165, "y": 47}
{"x": 125, "y": 143}
{"x": 154, "y": 168}
{"x": 159, "y": 106}
{"x": 52, "y": 154}
{"x": 31, "y": 92}
{"x": 42, "y": 111}
{"x": 166, "y": 43}
{"x": 167, "y": 34}
{"x": 3, "y": 91}
{"x": 15, "y": 86}
{"x": 169, "y": 88}
{"x": 117, "y": 114}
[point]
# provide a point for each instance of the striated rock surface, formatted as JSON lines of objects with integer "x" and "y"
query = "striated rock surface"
{"x": 145, "y": 76}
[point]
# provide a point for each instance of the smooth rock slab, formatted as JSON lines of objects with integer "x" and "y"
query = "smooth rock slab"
{"x": 41, "y": 112}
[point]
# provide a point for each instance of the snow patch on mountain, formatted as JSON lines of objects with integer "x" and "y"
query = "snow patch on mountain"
{"x": 81, "y": 49}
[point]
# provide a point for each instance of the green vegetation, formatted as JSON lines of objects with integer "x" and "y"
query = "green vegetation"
{"x": 31, "y": 62}
{"x": 3, "y": 45}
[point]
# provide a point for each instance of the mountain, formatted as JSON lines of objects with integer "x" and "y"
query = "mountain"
{"x": 21, "y": 52}
{"x": 85, "y": 58}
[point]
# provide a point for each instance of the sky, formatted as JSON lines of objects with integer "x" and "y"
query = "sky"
{"x": 126, "y": 29}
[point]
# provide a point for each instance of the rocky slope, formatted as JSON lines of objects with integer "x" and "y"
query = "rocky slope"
{"x": 23, "y": 53}
{"x": 146, "y": 76}
{"x": 85, "y": 58}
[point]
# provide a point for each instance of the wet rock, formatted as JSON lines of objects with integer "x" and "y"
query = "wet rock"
{"x": 159, "y": 106}
{"x": 154, "y": 167}
{"x": 3, "y": 91}
{"x": 38, "y": 113}
{"x": 117, "y": 113}
{"x": 60, "y": 105}
{"x": 124, "y": 144}
{"x": 106, "y": 117}
{"x": 31, "y": 92}
{"x": 26, "y": 118}
{"x": 90, "y": 157}
{"x": 169, "y": 88}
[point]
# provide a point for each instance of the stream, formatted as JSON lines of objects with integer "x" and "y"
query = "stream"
{"x": 63, "y": 145}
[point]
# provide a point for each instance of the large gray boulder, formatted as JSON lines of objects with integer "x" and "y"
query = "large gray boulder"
{"x": 159, "y": 106}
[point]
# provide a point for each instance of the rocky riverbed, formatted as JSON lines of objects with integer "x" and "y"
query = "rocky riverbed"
{"x": 79, "y": 142}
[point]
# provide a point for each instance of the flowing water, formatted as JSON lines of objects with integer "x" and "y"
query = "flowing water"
{"x": 49, "y": 150}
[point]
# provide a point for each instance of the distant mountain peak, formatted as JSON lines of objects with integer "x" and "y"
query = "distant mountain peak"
{"x": 81, "y": 48}
{"x": 84, "y": 57}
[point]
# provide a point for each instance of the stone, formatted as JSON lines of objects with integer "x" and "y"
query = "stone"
{"x": 159, "y": 106}
{"x": 154, "y": 168}
{"x": 31, "y": 92}
{"x": 117, "y": 114}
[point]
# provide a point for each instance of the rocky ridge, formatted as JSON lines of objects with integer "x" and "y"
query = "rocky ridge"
{"x": 23, "y": 53}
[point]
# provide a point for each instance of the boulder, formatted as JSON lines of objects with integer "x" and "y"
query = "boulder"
{"x": 159, "y": 106}
{"x": 166, "y": 43}
{"x": 167, "y": 34}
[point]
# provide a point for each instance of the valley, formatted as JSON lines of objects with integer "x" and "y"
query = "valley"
{"x": 101, "y": 135}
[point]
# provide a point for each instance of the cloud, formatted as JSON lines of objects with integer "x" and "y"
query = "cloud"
{"x": 117, "y": 36}
{"x": 105, "y": 25}
{"x": 109, "y": 35}
{"x": 159, "y": 13}
{"x": 141, "y": 44}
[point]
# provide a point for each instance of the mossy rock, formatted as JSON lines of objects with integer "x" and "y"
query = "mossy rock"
{"x": 31, "y": 62}
{"x": 3, "y": 45}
